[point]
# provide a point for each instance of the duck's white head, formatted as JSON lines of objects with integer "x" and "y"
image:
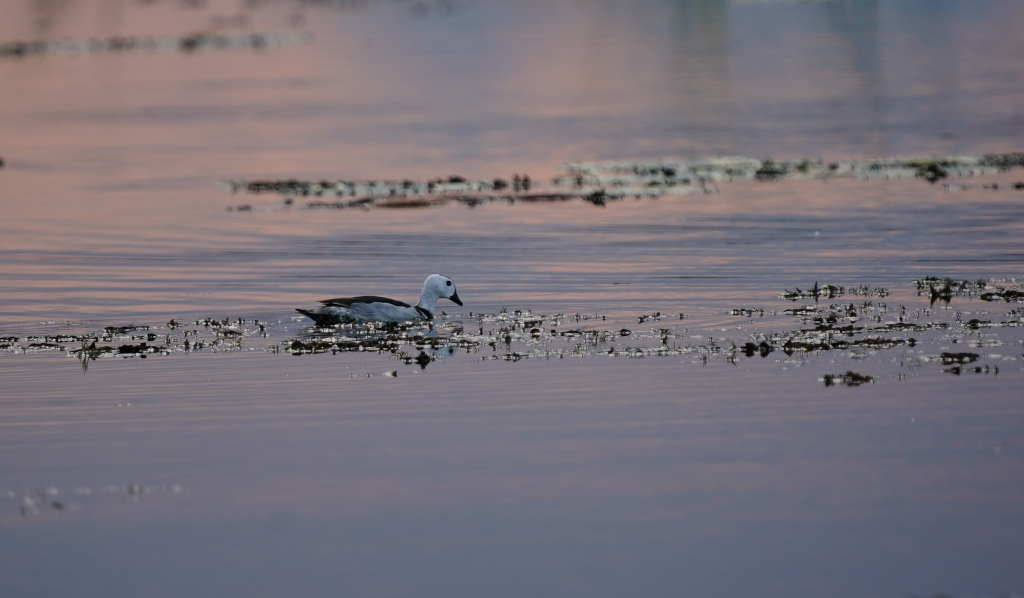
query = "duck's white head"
{"x": 438, "y": 286}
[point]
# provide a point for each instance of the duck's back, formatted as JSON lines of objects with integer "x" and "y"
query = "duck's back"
{"x": 349, "y": 301}
{"x": 367, "y": 308}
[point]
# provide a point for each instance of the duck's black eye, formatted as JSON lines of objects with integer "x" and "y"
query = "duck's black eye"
{"x": 449, "y": 283}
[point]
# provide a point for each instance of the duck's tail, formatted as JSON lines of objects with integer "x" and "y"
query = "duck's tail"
{"x": 319, "y": 319}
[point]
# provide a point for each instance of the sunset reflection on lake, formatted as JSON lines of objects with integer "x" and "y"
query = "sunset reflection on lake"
{"x": 627, "y": 403}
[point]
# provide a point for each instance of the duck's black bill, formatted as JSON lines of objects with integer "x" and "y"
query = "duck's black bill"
{"x": 455, "y": 299}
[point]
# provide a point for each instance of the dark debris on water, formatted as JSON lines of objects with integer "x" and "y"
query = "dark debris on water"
{"x": 850, "y": 378}
{"x": 945, "y": 289}
{"x": 210, "y": 334}
{"x": 599, "y": 183}
{"x": 829, "y": 291}
{"x": 859, "y": 329}
{"x": 119, "y": 44}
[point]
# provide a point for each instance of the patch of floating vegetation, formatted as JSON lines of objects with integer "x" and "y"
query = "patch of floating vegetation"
{"x": 959, "y": 369}
{"x": 56, "y": 500}
{"x": 850, "y": 378}
{"x": 960, "y": 358}
{"x": 1018, "y": 186}
{"x": 944, "y": 289}
{"x": 364, "y": 195}
{"x": 1009, "y": 295}
{"x": 409, "y": 343}
{"x": 670, "y": 171}
{"x": 598, "y": 183}
{"x": 856, "y": 329}
{"x": 209, "y": 334}
{"x": 185, "y": 43}
{"x": 830, "y": 291}
{"x": 863, "y": 327}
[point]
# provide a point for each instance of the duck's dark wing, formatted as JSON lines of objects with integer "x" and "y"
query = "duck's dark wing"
{"x": 348, "y": 301}
{"x": 320, "y": 319}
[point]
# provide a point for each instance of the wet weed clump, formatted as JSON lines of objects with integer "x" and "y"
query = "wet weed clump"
{"x": 850, "y": 378}
{"x": 931, "y": 171}
{"x": 1007, "y": 295}
{"x": 144, "y": 341}
{"x": 1003, "y": 162}
{"x": 830, "y": 291}
{"x": 959, "y": 369}
{"x": 763, "y": 349}
{"x": 959, "y": 358}
{"x": 770, "y": 171}
{"x": 945, "y": 289}
{"x": 395, "y": 340}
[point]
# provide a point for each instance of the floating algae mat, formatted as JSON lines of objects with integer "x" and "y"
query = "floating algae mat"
{"x": 121, "y": 44}
{"x": 600, "y": 182}
{"x": 666, "y": 172}
{"x": 959, "y": 326}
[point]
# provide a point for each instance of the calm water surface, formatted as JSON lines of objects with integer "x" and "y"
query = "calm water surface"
{"x": 240, "y": 469}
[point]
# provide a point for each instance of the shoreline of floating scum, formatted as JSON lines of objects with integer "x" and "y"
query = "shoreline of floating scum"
{"x": 599, "y": 182}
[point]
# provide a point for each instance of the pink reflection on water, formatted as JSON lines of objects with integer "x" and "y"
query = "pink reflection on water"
{"x": 644, "y": 433}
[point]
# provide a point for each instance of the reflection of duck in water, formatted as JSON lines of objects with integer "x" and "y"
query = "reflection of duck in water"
{"x": 345, "y": 310}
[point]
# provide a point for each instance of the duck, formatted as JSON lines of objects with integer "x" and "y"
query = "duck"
{"x": 370, "y": 308}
